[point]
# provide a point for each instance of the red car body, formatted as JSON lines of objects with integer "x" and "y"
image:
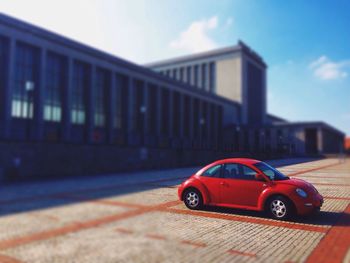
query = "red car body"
{"x": 249, "y": 193}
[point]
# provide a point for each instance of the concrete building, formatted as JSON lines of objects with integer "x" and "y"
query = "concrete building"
{"x": 67, "y": 108}
{"x": 236, "y": 73}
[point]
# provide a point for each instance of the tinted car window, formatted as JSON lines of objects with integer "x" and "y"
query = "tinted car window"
{"x": 248, "y": 173}
{"x": 231, "y": 170}
{"x": 238, "y": 171}
{"x": 271, "y": 172}
{"x": 213, "y": 171}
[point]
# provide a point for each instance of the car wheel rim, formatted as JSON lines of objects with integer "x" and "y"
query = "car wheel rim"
{"x": 192, "y": 199}
{"x": 278, "y": 208}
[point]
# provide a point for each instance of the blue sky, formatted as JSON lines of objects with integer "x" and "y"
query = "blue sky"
{"x": 306, "y": 44}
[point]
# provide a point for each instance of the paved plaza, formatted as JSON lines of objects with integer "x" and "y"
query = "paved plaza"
{"x": 136, "y": 217}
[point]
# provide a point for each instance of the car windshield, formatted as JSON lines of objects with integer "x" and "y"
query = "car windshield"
{"x": 271, "y": 172}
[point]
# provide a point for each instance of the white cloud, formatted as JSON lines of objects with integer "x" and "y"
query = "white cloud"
{"x": 195, "y": 38}
{"x": 326, "y": 69}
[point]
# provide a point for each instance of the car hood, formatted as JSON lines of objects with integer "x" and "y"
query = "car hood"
{"x": 297, "y": 183}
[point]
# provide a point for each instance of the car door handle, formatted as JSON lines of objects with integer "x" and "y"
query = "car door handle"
{"x": 223, "y": 183}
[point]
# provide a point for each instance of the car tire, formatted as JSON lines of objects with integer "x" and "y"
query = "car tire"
{"x": 280, "y": 208}
{"x": 193, "y": 199}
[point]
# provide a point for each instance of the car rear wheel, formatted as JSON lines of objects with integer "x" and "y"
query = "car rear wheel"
{"x": 193, "y": 199}
{"x": 280, "y": 208}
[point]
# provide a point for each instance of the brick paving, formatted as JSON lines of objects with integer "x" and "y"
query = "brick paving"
{"x": 137, "y": 218}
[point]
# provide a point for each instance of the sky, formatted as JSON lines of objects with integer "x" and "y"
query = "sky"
{"x": 306, "y": 44}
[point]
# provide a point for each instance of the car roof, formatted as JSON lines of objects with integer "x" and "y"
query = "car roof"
{"x": 229, "y": 160}
{"x": 238, "y": 160}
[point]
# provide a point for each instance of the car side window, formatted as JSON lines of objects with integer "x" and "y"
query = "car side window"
{"x": 213, "y": 171}
{"x": 248, "y": 173}
{"x": 231, "y": 170}
{"x": 238, "y": 171}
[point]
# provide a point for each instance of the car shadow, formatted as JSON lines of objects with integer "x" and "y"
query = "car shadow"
{"x": 322, "y": 218}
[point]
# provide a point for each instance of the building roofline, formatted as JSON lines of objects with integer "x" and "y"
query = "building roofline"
{"x": 239, "y": 47}
{"x": 92, "y": 51}
{"x": 282, "y": 120}
{"x": 311, "y": 123}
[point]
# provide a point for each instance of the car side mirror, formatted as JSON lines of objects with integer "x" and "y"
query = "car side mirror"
{"x": 259, "y": 177}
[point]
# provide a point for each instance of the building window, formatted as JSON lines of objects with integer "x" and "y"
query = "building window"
{"x": 120, "y": 119}
{"x": 196, "y": 118}
{"x": 139, "y": 107}
{"x": 182, "y": 74}
{"x": 187, "y": 119}
{"x": 204, "y": 76}
{"x": 189, "y": 75}
{"x": 212, "y": 77}
{"x": 176, "y": 114}
{"x": 26, "y": 75}
{"x": 152, "y": 108}
{"x": 204, "y": 121}
{"x": 80, "y": 85}
{"x": 165, "y": 112}
{"x": 213, "y": 122}
{"x": 196, "y": 77}
{"x": 100, "y": 96}
{"x": 174, "y": 73}
{"x": 55, "y": 77}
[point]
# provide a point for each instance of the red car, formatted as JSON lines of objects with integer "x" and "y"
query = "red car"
{"x": 252, "y": 185}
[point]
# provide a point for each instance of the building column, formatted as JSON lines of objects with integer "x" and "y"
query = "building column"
{"x": 207, "y": 77}
{"x": 67, "y": 101}
{"x": 208, "y": 125}
{"x": 131, "y": 102}
{"x": 193, "y": 80}
{"x": 90, "y": 118}
{"x": 200, "y": 84}
{"x": 7, "y": 93}
{"x": 145, "y": 109}
{"x": 190, "y": 116}
{"x": 181, "y": 112}
{"x": 319, "y": 141}
{"x": 111, "y": 107}
{"x": 39, "y": 97}
{"x": 171, "y": 115}
{"x": 200, "y": 122}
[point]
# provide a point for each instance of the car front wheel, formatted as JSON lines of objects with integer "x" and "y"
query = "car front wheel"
{"x": 193, "y": 199}
{"x": 280, "y": 208}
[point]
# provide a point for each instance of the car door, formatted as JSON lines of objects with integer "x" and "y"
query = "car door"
{"x": 239, "y": 186}
{"x": 211, "y": 178}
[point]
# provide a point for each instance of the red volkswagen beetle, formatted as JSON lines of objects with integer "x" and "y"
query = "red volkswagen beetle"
{"x": 249, "y": 184}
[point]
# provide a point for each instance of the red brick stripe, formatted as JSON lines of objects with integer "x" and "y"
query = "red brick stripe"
{"x": 330, "y": 184}
{"x": 313, "y": 169}
{"x": 155, "y": 236}
{"x": 335, "y": 244}
{"x": 7, "y": 259}
{"x": 253, "y": 220}
{"x": 237, "y": 252}
{"x": 325, "y": 177}
{"x": 337, "y": 198}
{"x": 75, "y": 227}
{"x": 192, "y": 243}
{"x": 124, "y": 230}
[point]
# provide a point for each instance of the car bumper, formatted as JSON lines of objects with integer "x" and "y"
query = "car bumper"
{"x": 309, "y": 205}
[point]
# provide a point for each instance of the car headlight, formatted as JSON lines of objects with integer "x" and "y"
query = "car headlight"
{"x": 301, "y": 192}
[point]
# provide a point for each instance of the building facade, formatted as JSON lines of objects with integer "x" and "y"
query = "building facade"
{"x": 236, "y": 73}
{"x": 67, "y": 108}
